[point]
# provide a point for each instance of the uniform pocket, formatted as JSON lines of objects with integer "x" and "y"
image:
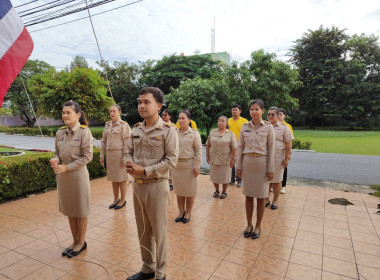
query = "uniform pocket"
{"x": 156, "y": 148}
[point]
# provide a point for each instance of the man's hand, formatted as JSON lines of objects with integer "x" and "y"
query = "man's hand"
{"x": 196, "y": 172}
{"x": 134, "y": 169}
{"x": 102, "y": 161}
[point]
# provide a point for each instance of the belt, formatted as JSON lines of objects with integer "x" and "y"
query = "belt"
{"x": 255, "y": 155}
{"x": 149, "y": 181}
{"x": 183, "y": 159}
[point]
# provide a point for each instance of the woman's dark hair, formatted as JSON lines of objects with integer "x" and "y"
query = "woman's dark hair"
{"x": 274, "y": 109}
{"x": 188, "y": 115}
{"x": 259, "y": 102}
{"x": 77, "y": 109}
{"x": 226, "y": 120}
{"x": 281, "y": 110}
{"x": 158, "y": 95}
{"x": 117, "y": 106}
{"x": 167, "y": 111}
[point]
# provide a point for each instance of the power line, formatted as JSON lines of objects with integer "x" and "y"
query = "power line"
{"x": 34, "y": 22}
{"x": 48, "y": 8}
{"x": 38, "y": 7}
{"x": 67, "y": 22}
{"x": 26, "y": 3}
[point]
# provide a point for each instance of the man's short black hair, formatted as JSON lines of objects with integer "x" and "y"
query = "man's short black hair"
{"x": 158, "y": 95}
{"x": 236, "y": 106}
{"x": 281, "y": 110}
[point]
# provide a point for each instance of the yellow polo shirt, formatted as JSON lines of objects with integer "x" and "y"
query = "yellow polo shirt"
{"x": 193, "y": 124}
{"x": 235, "y": 126}
{"x": 290, "y": 127}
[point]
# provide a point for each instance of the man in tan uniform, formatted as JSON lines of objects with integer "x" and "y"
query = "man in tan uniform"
{"x": 152, "y": 151}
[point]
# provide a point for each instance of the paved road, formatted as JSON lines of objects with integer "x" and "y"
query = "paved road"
{"x": 352, "y": 169}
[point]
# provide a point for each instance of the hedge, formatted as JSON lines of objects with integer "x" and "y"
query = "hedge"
{"x": 302, "y": 144}
{"x": 31, "y": 173}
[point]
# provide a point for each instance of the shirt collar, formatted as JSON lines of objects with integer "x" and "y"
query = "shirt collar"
{"x": 253, "y": 125}
{"x": 187, "y": 131}
{"x": 277, "y": 123}
{"x": 158, "y": 125}
{"x": 75, "y": 128}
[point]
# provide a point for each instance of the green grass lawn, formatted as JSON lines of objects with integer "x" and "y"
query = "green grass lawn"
{"x": 3, "y": 149}
{"x": 343, "y": 142}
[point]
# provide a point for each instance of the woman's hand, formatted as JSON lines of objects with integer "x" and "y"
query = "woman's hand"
{"x": 196, "y": 172}
{"x": 270, "y": 176}
{"x": 232, "y": 164}
{"x": 102, "y": 161}
{"x": 238, "y": 173}
{"x": 208, "y": 159}
{"x": 60, "y": 168}
{"x": 285, "y": 163}
{"x": 53, "y": 162}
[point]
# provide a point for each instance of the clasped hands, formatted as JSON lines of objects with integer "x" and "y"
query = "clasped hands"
{"x": 134, "y": 169}
{"x": 57, "y": 168}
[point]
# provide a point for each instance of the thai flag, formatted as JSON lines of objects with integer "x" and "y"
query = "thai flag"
{"x": 16, "y": 45}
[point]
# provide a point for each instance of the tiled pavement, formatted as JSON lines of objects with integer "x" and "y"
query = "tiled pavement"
{"x": 306, "y": 238}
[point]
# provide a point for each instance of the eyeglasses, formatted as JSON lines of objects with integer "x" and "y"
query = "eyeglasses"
{"x": 271, "y": 114}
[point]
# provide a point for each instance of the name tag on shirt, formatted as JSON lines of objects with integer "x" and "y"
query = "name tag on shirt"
{"x": 75, "y": 139}
{"x": 136, "y": 136}
{"x": 60, "y": 139}
{"x": 247, "y": 130}
{"x": 155, "y": 137}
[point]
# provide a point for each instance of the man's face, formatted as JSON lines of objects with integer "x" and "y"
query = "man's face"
{"x": 236, "y": 112}
{"x": 281, "y": 117}
{"x": 148, "y": 106}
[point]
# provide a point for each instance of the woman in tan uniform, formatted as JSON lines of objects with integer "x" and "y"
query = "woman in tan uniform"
{"x": 185, "y": 174}
{"x": 255, "y": 162}
{"x": 220, "y": 154}
{"x": 114, "y": 143}
{"x": 166, "y": 117}
{"x": 283, "y": 146}
{"x": 73, "y": 150}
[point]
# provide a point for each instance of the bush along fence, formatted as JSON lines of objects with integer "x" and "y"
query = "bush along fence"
{"x": 31, "y": 173}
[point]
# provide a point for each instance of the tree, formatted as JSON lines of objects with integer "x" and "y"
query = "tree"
{"x": 206, "y": 99}
{"x": 172, "y": 71}
{"x": 82, "y": 85}
{"x": 320, "y": 59}
{"x": 78, "y": 61}
{"x": 18, "y": 98}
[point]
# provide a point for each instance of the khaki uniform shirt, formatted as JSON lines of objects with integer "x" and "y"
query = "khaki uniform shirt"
{"x": 155, "y": 149}
{"x": 282, "y": 135}
{"x": 221, "y": 146}
{"x": 115, "y": 137}
{"x": 190, "y": 146}
{"x": 260, "y": 141}
{"x": 73, "y": 147}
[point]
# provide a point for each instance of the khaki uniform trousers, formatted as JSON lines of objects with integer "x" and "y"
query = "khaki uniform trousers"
{"x": 151, "y": 207}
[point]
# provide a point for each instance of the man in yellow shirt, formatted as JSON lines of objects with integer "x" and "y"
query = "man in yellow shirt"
{"x": 235, "y": 123}
{"x": 281, "y": 118}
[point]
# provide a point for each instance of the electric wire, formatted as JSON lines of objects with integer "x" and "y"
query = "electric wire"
{"x": 67, "y": 22}
{"x": 40, "y": 6}
{"x": 26, "y": 3}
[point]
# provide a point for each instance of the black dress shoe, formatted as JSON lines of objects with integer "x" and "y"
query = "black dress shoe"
{"x": 141, "y": 276}
{"x": 179, "y": 219}
{"x": 248, "y": 233}
{"x": 256, "y": 235}
{"x": 185, "y": 221}
{"x": 273, "y": 207}
{"x": 76, "y": 253}
{"x": 267, "y": 204}
{"x": 163, "y": 278}
{"x": 113, "y": 205}
{"x": 117, "y": 207}
{"x": 66, "y": 252}
{"x": 171, "y": 187}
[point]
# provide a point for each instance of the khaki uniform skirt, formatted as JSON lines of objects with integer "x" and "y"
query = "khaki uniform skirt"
{"x": 115, "y": 173}
{"x": 220, "y": 174}
{"x": 74, "y": 193}
{"x": 278, "y": 170}
{"x": 254, "y": 173}
{"x": 183, "y": 179}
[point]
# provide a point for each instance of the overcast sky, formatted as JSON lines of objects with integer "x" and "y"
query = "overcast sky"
{"x": 153, "y": 28}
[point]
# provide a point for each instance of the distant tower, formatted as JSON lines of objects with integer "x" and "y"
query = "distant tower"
{"x": 213, "y": 38}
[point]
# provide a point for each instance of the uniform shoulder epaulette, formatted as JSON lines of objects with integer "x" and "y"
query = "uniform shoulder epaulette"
{"x": 167, "y": 124}
{"x": 83, "y": 126}
{"x": 108, "y": 122}
{"x": 267, "y": 122}
{"x": 194, "y": 129}
{"x": 247, "y": 123}
{"x": 63, "y": 127}
{"x": 123, "y": 121}
{"x": 137, "y": 124}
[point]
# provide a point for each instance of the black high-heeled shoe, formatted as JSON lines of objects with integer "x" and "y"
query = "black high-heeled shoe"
{"x": 113, "y": 204}
{"x": 67, "y": 252}
{"x": 248, "y": 233}
{"x": 179, "y": 219}
{"x": 185, "y": 221}
{"x": 117, "y": 207}
{"x": 256, "y": 235}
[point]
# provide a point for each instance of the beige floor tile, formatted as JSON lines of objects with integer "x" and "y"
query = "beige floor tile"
{"x": 188, "y": 274}
{"x": 338, "y": 253}
{"x": 215, "y": 250}
{"x": 228, "y": 270}
{"x": 306, "y": 259}
{"x": 340, "y": 267}
{"x": 310, "y": 236}
{"x": 367, "y": 260}
{"x": 332, "y": 276}
{"x": 368, "y": 273}
{"x": 21, "y": 268}
{"x": 10, "y": 258}
{"x": 257, "y": 274}
{"x": 366, "y": 248}
{"x": 338, "y": 242}
{"x": 308, "y": 246}
{"x": 271, "y": 265}
{"x": 203, "y": 263}
{"x": 241, "y": 257}
{"x": 45, "y": 273}
{"x": 276, "y": 251}
{"x": 300, "y": 272}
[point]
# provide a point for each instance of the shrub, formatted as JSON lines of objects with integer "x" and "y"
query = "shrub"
{"x": 302, "y": 144}
{"x": 31, "y": 173}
